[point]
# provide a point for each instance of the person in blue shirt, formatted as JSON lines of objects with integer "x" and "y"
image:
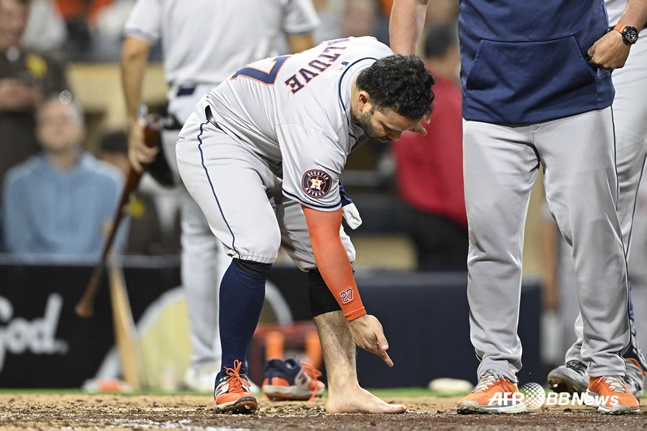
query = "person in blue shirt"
{"x": 60, "y": 202}
{"x": 537, "y": 93}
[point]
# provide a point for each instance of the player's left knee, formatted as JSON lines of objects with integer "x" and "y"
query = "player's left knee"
{"x": 256, "y": 269}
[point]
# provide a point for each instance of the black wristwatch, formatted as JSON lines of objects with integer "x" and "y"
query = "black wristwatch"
{"x": 629, "y": 34}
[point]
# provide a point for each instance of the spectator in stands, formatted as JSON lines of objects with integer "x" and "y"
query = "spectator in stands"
{"x": 146, "y": 236}
{"x": 26, "y": 77}
{"x": 80, "y": 16}
{"x": 60, "y": 202}
{"x": 94, "y": 28}
{"x": 429, "y": 168}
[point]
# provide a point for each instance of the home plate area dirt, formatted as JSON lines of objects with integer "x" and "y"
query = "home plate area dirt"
{"x": 195, "y": 412}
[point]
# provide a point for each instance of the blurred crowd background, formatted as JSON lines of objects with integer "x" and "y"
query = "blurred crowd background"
{"x": 73, "y": 50}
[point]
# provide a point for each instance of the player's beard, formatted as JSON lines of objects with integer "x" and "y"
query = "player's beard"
{"x": 364, "y": 122}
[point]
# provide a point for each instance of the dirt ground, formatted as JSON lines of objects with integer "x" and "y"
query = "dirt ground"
{"x": 195, "y": 412}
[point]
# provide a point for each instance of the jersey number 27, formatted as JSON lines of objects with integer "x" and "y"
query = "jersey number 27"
{"x": 266, "y": 78}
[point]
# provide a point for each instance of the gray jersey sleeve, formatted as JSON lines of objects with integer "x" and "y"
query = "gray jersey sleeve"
{"x": 145, "y": 20}
{"x": 312, "y": 163}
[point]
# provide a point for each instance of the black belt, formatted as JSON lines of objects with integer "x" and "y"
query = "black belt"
{"x": 185, "y": 91}
{"x": 169, "y": 122}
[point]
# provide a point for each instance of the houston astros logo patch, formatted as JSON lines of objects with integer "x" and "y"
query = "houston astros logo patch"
{"x": 316, "y": 183}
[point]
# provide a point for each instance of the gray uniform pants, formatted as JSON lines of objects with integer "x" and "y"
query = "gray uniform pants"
{"x": 240, "y": 193}
{"x": 501, "y": 164}
{"x": 630, "y": 116}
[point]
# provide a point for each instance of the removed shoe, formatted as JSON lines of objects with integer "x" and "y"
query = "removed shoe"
{"x": 571, "y": 378}
{"x": 291, "y": 380}
{"x": 232, "y": 393}
{"x": 493, "y": 394}
{"x": 611, "y": 395}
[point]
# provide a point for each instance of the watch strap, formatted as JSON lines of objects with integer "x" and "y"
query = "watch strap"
{"x": 619, "y": 27}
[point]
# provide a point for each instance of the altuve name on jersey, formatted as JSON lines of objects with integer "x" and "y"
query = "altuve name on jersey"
{"x": 317, "y": 66}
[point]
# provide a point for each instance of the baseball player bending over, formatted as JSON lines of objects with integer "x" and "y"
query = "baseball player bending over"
{"x": 203, "y": 41}
{"x": 262, "y": 155}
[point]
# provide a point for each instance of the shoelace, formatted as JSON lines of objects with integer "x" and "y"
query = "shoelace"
{"x": 314, "y": 374}
{"x": 577, "y": 366}
{"x": 237, "y": 380}
{"x": 615, "y": 383}
{"x": 487, "y": 380}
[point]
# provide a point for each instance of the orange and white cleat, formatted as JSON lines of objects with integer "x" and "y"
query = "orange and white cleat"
{"x": 232, "y": 394}
{"x": 291, "y": 380}
{"x": 493, "y": 394}
{"x": 611, "y": 395}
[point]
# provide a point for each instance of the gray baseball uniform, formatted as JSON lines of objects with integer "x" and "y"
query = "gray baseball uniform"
{"x": 275, "y": 136}
{"x": 205, "y": 41}
{"x": 530, "y": 99}
{"x": 629, "y": 113}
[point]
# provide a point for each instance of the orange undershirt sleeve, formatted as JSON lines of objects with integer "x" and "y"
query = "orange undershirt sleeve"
{"x": 332, "y": 260}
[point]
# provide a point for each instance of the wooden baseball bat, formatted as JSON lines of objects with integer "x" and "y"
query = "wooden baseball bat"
{"x": 152, "y": 138}
{"x": 126, "y": 337}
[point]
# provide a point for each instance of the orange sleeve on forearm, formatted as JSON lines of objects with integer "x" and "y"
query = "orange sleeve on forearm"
{"x": 332, "y": 260}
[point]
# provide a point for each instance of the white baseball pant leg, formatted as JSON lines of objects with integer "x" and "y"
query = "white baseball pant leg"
{"x": 630, "y": 118}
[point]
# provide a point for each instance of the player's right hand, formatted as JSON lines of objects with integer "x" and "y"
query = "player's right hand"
{"x": 609, "y": 52}
{"x": 368, "y": 334}
{"x": 138, "y": 153}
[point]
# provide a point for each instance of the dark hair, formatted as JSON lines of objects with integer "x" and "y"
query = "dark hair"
{"x": 399, "y": 82}
{"x": 439, "y": 38}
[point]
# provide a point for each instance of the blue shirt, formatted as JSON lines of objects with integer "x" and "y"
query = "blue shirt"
{"x": 61, "y": 213}
{"x": 525, "y": 61}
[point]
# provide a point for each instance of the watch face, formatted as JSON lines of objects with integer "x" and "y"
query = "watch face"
{"x": 630, "y": 35}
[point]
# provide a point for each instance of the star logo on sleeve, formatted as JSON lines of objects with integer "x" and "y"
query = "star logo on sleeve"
{"x": 316, "y": 183}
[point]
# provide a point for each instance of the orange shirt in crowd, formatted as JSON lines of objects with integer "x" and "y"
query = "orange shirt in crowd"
{"x": 70, "y": 9}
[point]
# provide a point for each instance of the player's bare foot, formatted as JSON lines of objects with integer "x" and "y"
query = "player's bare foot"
{"x": 360, "y": 401}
